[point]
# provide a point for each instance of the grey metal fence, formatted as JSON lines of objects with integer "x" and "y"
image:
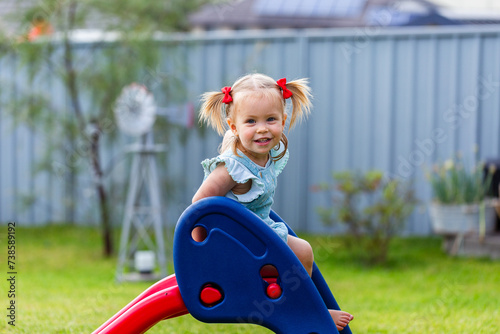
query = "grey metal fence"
{"x": 392, "y": 99}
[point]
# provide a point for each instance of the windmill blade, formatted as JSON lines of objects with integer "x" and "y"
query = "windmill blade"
{"x": 135, "y": 110}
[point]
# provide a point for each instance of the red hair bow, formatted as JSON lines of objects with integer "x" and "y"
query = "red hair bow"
{"x": 227, "y": 98}
{"x": 286, "y": 92}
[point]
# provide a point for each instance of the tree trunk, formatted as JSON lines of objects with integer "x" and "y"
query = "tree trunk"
{"x": 107, "y": 233}
{"x": 94, "y": 136}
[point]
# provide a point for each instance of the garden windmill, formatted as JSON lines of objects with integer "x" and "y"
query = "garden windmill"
{"x": 142, "y": 240}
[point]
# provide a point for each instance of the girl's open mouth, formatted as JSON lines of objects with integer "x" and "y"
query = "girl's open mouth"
{"x": 263, "y": 141}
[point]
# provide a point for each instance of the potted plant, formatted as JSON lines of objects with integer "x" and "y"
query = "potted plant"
{"x": 460, "y": 202}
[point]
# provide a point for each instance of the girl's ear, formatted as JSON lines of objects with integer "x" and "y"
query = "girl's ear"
{"x": 232, "y": 126}
{"x": 284, "y": 120}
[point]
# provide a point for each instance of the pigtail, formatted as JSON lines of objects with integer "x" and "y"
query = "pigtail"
{"x": 284, "y": 141}
{"x": 213, "y": 111}
{"x": 301, "y": 100}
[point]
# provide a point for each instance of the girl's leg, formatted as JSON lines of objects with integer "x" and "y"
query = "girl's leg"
{"x": 304, "y": 252}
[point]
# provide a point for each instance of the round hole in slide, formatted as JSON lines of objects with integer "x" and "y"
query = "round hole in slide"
{"x": 199, "y": 233}
{"x": 269, "y": 271}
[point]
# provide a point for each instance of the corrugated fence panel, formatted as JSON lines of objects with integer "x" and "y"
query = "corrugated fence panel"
{"x": 488, "y": 97}
{"x": 65, "y": 161}
{"x": 41, "y": 188}
{"x": 296, "y": 204}
{"x": 420, "y": 122}
{"x": 467, "y": 104}
{"x": 341, "y": 102}
{"x": 319, "y": 144}
{"x": 8, "y": 146}
{"x": 381, "y": 112}
{"x": 402, "y": 105}
{"x": 397, "y": 100}
{"x": 447, "y": 91}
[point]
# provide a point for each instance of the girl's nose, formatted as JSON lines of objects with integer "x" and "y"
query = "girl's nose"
{"x": 262, "y": 129}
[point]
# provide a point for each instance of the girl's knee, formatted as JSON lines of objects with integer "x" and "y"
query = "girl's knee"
{"x": 303, "y": 251}
{"x": 308, "y": 254}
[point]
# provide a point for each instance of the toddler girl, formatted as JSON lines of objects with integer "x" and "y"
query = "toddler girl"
{"x": 254, "y": 151}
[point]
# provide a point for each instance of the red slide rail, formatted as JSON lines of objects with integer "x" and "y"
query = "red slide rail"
{"x": 161, "y": 301}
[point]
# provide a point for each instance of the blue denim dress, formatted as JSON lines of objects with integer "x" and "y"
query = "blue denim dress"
{"x": 260, "y": 197}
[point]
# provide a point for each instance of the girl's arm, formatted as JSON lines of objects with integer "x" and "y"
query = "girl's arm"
{"x": 218, "y": 183}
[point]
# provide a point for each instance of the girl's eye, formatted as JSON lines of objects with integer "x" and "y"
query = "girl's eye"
{"x": 250, "y": 121}
{"x": 271, "y": 119}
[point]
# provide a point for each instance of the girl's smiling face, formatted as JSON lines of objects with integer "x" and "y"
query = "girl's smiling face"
{"x": 259, "y": 122}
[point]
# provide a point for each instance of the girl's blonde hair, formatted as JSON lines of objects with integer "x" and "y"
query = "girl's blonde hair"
{"x": 215, "y": 112}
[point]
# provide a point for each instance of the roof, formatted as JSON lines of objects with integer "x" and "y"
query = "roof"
{"x": 312, "y": 8}
{"x": 279, "y": 14}
{"x": 264, "y": 14}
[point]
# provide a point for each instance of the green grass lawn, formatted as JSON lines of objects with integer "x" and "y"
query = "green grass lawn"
{"x": 65, "y": 286}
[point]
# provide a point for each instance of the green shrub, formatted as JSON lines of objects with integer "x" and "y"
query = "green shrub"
{"x": 373, "y": 209}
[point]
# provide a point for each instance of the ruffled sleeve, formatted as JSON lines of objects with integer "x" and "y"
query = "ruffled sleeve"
{"x": 281, "y": 163}
{"x": 239, "y": 173}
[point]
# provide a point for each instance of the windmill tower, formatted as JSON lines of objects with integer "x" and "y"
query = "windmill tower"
{"x": 142, "y": 246}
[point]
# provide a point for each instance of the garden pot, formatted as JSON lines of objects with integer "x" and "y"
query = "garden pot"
{"x": 460, "y": 218}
